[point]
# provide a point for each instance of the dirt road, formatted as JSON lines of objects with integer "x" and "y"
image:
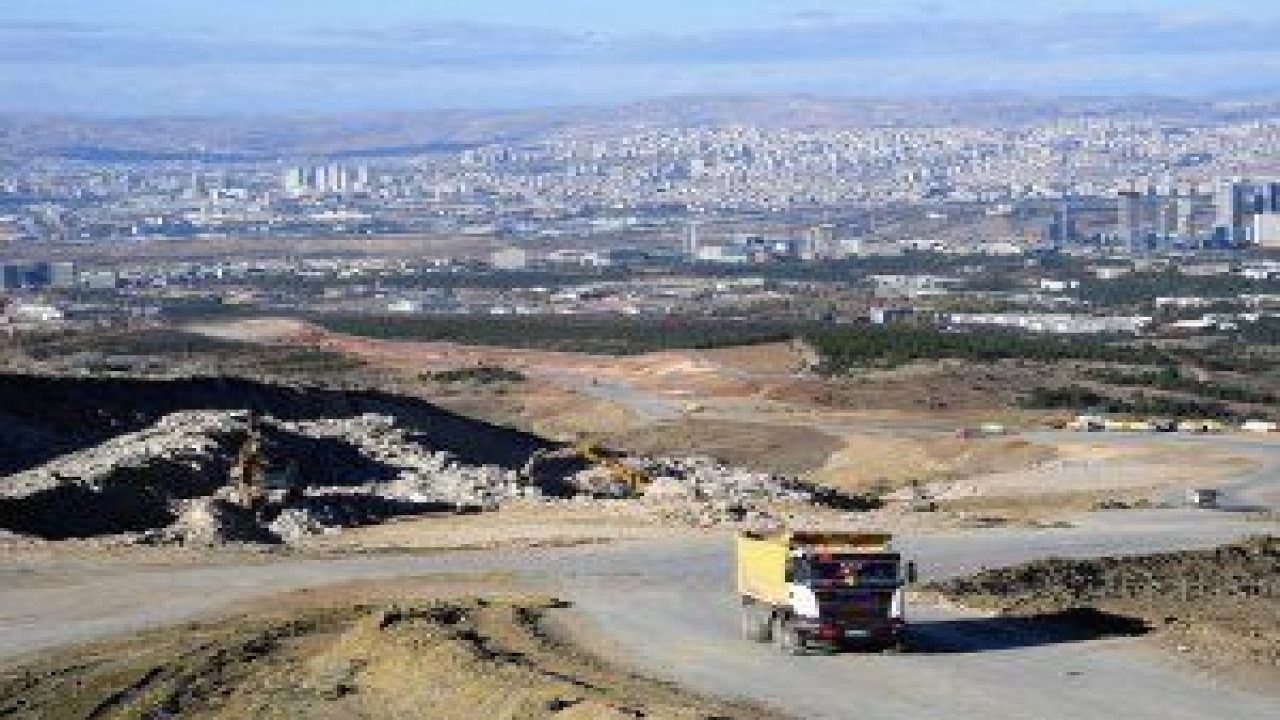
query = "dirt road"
{"x": 667, "y": 606}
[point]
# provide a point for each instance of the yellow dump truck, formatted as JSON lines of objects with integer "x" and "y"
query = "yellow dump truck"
{"x": 807, "y": 589}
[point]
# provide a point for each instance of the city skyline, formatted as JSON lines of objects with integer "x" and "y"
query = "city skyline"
{"x": 147, "y": 58}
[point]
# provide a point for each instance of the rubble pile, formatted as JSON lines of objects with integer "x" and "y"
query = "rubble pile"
{"x": 704, "y": 478}
{"x": 169, "y": 483}
{"x": 423, "y": 475}
{"x": 175, "y": 483}
{"x": 702, "y": 491}
{"x": 128, "y": 483}
{"x": 210, "y": 522}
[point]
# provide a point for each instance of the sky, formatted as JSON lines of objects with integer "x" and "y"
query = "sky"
{"x": 263, "y": 57}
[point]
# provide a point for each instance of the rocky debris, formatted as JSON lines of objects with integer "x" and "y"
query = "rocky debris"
{"x": 45, "y": 415}
{"x": 210, "y": 522}
{"x": 182, "y": 441}
{"x": 423, "y": 475}
{"x": 170, "y": 483}
{"x": 704, "y": 478}
{"x": 294, "y": 524}
{"x": 702, "y": 492}
{"x": 347, "y": 472}
{"x": 129, "y": 483}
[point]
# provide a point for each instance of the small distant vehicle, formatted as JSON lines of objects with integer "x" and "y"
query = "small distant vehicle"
{"x": 807, "y": 589}
{"x": 1204, "y": 498}
{"x": 1202, "y": 427}
{"x": 1088, "y": 423}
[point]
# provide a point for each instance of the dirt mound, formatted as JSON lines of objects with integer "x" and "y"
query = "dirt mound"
{"x": 1220, "y": 602}
{"x": 126, "y": 484}
{"x": 170, "y": 484}
{"x": 455, "y": 659}
{"x": 169, "y": 481}
{"x": 44, "y": 416}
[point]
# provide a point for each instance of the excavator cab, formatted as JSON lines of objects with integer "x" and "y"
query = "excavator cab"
{"x": 630, "y": 478}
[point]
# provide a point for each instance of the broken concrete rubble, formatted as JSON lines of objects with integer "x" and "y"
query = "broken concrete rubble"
{"x": 169, "y": 483}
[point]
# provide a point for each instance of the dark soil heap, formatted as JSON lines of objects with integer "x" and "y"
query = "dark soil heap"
{"x": 1222, "y": 603}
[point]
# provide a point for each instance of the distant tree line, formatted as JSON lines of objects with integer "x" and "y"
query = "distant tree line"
{"x": 480, "y": 374}
{"x": 843, "y": 349}
{"x": 1170, "y": 379}
{"x": 610, "y": 335}
{"x": 1082, "y": 399}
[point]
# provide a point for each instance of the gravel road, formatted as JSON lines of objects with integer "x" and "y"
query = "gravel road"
{"x": 667, "y": 607}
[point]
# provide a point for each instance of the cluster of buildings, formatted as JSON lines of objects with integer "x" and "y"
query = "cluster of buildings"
{"x": 650, "y": 297}
{"x": 736, "y": 168}
{"x": 1235, "y": 213}
{"x": 55, "y": 276}
{"x": 621, "y": 178}
{"x": 820, "y": 242}
{"x": 326, "y": 180}
{"x": 1248, "y": 213}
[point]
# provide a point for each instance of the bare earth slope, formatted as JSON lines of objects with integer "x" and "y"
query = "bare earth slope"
{"x": 456, "y": 659}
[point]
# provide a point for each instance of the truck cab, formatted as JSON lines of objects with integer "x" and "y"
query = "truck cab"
{"x": 823, "y": 589}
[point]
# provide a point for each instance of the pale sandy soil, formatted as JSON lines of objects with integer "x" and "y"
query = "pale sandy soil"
{"x": 1086, "y": 469}
{"x": 890, "y": 461}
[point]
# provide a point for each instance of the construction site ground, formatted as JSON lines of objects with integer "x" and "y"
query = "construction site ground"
{"x": 741, "y": 404}
{"x": 661, "y": 606}
{"x": 648, "y": 596}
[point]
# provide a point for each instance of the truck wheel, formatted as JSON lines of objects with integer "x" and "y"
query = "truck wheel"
{"x": 789, "y": 639}
{"x": 756, "y": 625}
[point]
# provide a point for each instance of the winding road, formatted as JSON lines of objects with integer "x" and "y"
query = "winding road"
{"x": 667, "y": 608}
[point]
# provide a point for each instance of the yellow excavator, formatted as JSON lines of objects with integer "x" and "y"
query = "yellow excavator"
{"x": 634, "y": 480}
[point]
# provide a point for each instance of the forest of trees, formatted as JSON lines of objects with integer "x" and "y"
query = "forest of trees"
{"x": 1170, "y": 379}
{"x": 1081, "y": 399}
{"x": 890, "y": 346}
{"x": 609, "y": 335}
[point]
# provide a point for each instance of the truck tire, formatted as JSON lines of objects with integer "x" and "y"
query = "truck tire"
{"x": 789, "y": 639}
{"x": 756, "y": 625}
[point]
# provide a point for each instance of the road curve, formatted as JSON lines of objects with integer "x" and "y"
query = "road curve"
{"x": 670, "y": 604}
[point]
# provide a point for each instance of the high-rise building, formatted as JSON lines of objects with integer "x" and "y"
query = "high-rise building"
{"x": 691, "y": 240}
{"x": 62, "y": 275}
{"x": 819, "y": 242}
{"x": 295, "y": 181}
{"x": 1234, "y": 203}
{"x": 1272, "y": 196}
{"x": 1266, "y": 230}
{"x": 25, "y": 275}
{"x": 1066, "y": 224}
{"x": 1130, "y": 225}
{"x": 1185, "y": 227}
{"x": 1167, "y": 216}
{"x": 337, "y": 179}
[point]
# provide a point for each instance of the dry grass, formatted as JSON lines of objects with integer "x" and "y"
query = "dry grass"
{"x": 887, "y": 462}
{"x": 783, "y": 449}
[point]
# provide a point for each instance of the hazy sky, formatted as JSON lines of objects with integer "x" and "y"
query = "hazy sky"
{"x": 271, "y": 56}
